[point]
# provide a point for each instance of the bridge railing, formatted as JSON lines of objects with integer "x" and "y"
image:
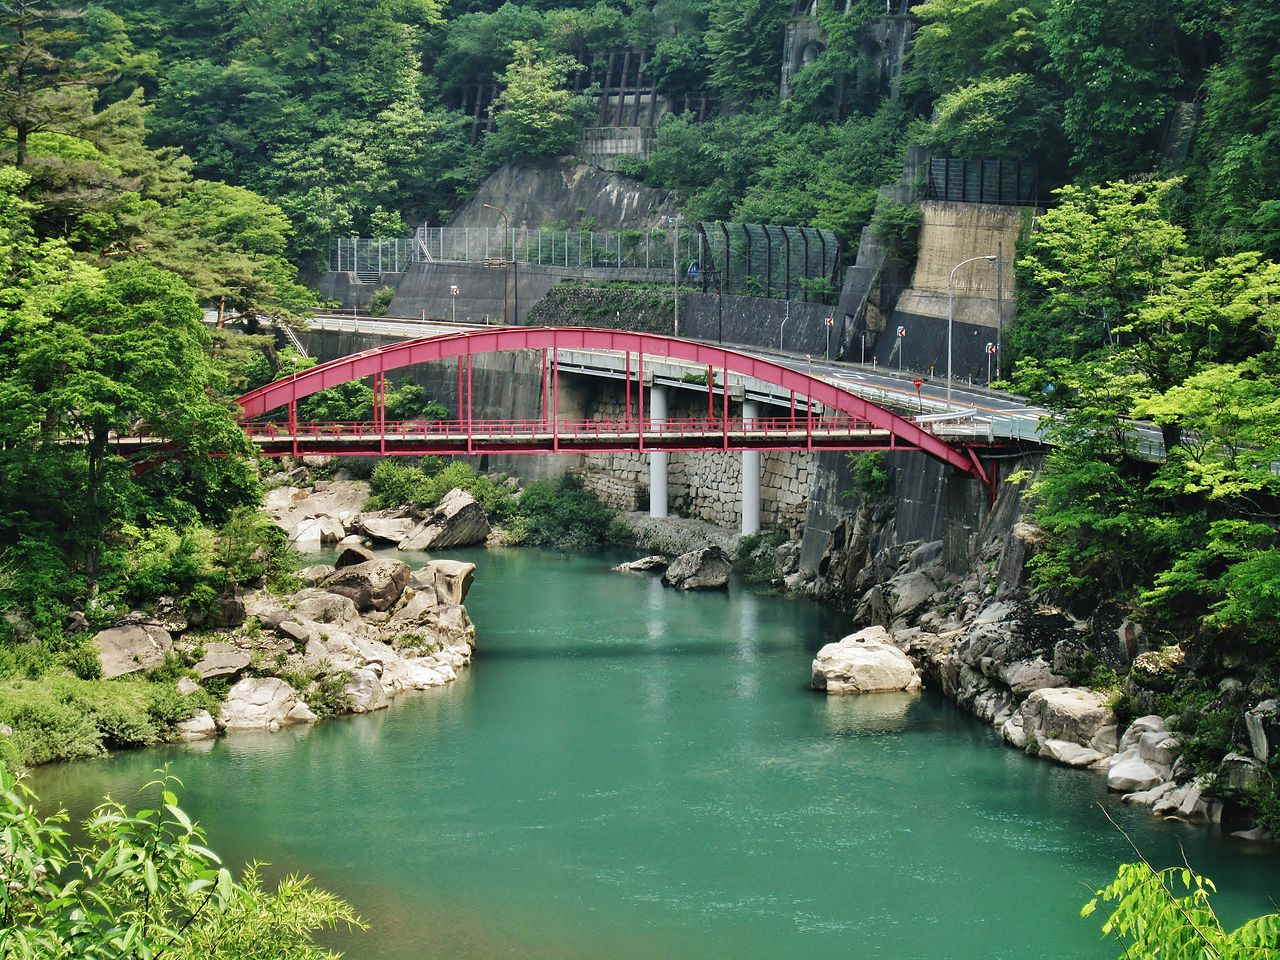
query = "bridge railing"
{"x": 824, "y": 424}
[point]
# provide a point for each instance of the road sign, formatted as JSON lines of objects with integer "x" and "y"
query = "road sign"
{"x": 991, "y": 348}
{"x": 829, "y": 321}
{"x": 918, "y": 383}
{"x": 902, "y": 331}
{"x": 454, "y": 291}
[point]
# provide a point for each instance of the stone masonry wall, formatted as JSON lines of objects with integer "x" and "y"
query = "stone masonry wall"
{"x": 703, "y": 484}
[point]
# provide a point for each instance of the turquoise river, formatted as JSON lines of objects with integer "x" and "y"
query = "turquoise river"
{"x": 629, "y": 772}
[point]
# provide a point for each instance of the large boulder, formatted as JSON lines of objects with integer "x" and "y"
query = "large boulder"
{"x": 864, "y": 662}
{"x": 364, "y": 691}
{"x": 138, "y": 646}
{"x": 312, "y": 533}
{"x": 1073, "y": 714}
{"x": 263, "y": 703}
{"x": 449, "y": 579}
{"x": 320, "y": 605}
{"x": 351, "y": 555}
{"x": 1263, "y": 725}
{"x": 458, "y": 521}
{"x": 1130, "y": 773}
{"x": 313, "y": 574}
{"x": 643, "y": 565}
{"x": 372, "y": 585}
{"x": 422, "y": 621}
{"x": 198, "y": 727}
{"x": 385, "y": 526}
{"x": 221, "y": 660}
{"x": 705, "y": 569}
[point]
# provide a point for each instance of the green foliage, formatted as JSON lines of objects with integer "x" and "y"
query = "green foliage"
{"x": 870, "y": 475}
{"x": 62, "y": 717}
{"x": 563, "y": 514}
{"x": 1169, "y": 913}
{"x": 755, "y": 559}
{"x": 744, "y": 47}
{"x": 398, "y": 484}
{"x": 380, "y": 302}
{"x": 142, "y": 883}
{"x": 536, "y": 116}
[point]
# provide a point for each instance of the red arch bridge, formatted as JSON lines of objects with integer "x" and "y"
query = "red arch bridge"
{"x": 804, "y": 412}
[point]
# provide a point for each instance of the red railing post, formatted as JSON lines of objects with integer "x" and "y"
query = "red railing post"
{"x": 470, "y": 447}
{"x": 627, "y": 378}
{"x": 542, "y": 387}
{"x": 724, "y": 418}
{"x": 380, "y": 409}
{"x": 808, "y": 430}
{"x": 293, "y": 424}
{"x": 640, "y": 390}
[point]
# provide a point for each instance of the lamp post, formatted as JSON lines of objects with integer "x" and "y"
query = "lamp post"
{"x": 515, "y": 270}
{"x": 951, "y": 312}
{"x": 675, "y": 274}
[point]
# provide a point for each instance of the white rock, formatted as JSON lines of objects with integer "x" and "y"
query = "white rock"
{"x": 364, "y": 691}
{"x": 864, "y": 662}
{"x": 1132, "y": 773}
{"x": 1137, "y": 728}
{"x": 198, "y": 727}
{"x": 258, "y": 703}
{"x": 129, "y": 648}
{"x": 1159, "y": 747}
{"x": 1072, "y": 754}
{"x": 1148, "y": 798}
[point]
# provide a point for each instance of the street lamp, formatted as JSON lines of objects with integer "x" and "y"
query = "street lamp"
{"x": 951, "y": 312}
{"x": 515, "y": 269}
{"x": 675, "y": 274}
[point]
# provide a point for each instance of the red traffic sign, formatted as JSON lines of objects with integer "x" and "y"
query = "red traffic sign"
{"x": 918, "y": 383}
{"x": 991, "y": 348}
{"x": 830, "y": 322}
{"x": 902, "y": 331}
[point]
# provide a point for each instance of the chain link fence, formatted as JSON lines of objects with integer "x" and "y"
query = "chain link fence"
{"x": 765, "y": 260}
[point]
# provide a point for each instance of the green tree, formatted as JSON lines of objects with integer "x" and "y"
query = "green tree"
{"x": 535, "y": 116}
{"x": 744, "y": 48}
{"x": 964, "y": 40}
{"x": 103, "y": 356}
{"x": 1091, "y": 260}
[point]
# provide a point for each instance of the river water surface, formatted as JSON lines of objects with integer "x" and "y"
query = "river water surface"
{"x": 630, "y": 772}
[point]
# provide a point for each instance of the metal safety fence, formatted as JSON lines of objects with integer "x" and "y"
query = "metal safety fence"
{"x": 765, "y": 260}
{"x": 776, "y": 262}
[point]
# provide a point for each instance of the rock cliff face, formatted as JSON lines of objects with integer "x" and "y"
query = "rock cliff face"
{"x": 959, "y": 607}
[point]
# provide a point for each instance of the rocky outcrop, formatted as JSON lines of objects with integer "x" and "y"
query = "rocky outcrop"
{"x": 643, "y": 565}
{"x": 221, "y": 660}
{"x": 704, "y": 569}
{"x": 385, "y": 526}
{"x": 316, "y": 516}
{"x": 263, "y": 703}
{"x": 1069, "y": 725}
{"x": 200, "y": 726}
{"x": 372, "y": 585}
{"x": 450, "y": 579}
{"x": 864, "y": 662}
{"x": 132, "y": 647}
{"x": 457, "y": 521}
{"x": 352, "y": 554}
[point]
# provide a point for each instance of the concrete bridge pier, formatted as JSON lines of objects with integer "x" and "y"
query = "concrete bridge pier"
{"x": 658, "y": 458}
{"x": 750, "y": 476}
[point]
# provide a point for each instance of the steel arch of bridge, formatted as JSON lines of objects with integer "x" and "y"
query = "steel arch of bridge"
{"x": 463, "y": 345}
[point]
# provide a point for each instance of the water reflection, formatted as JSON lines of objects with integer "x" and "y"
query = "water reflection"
{"x": 868, "y": 712}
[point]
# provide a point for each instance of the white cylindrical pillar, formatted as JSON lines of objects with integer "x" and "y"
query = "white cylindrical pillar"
{"x": 658, "y": 458}
{"x": 750, "y": 474}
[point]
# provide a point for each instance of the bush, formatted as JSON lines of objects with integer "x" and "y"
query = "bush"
{"x": 380, "y": 302}
{"x": 61, "y": 717}
{"x": 397, "y": 484}
{"x": 756, "y": 558}
{"x": 871, "y": 476}
{"x": 562, "y": 513}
